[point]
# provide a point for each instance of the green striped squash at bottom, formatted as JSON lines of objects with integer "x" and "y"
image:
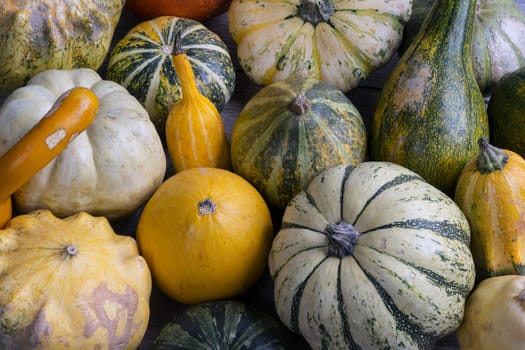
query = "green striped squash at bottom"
{"x": 226, "y": 325}
{"x": 142, "y": 62}
{"x": 371, "y": 256}
{"x": 292, "y": 130}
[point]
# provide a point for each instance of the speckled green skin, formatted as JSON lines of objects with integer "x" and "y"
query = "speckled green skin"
{"x": 142, "y": 62}
{"x": 48, "y": 34}
{"x": 498, "y": 38}
{"x": 280, "y": 151}
{"x": 506, "y": 111}
{"x": 431, "y": 112}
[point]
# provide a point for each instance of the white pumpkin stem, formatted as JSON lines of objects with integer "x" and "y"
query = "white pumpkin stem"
{"x": 70, "y": 250}
{"x": 342, "y": 239}
{"x": 315, "y": 11}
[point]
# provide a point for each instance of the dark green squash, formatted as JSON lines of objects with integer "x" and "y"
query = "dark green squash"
{"x": 226, "y": 324}
{"x": 506, "y": 111}
{"x": 431, "y": 112}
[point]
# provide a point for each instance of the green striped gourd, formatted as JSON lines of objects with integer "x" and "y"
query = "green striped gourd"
{"x": 498, "y": 47}
{"x": 290, "y": 131}
{"x": 226, "y": 324}
{"x": 371, "y": 256}
{"x": 142, "y": 62}
{"x": 338, "y": 41}
{"x": 431, "y": 113}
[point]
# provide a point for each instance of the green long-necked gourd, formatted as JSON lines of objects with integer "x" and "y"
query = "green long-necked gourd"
{"x": 431, "y": 112}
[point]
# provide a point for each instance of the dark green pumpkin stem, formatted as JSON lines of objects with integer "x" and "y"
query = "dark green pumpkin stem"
{"x": 300, "y": 105}
{"x": 177, "y": 44}
{"x": 490, "y": 158}
{"x": 342, "y": 238}
{"x": 315, "y": 11}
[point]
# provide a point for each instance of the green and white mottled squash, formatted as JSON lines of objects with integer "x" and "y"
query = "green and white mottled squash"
{"x": 498, "y": 47}
{"x": 290, "y": 131}
{"x": 109, "y": 169}
{"x": 371, "y": 256}
{"x": 226, "y": 324}
{"x": 36, "y": 35}
{"x": 338, "y": 41}
{"x": 142, "y": 62}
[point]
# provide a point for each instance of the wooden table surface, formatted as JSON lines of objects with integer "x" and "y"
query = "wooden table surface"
{"x": 364, "y": 98}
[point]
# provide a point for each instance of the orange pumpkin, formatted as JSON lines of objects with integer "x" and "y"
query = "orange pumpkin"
{"x": 491, "y": 192}
{"x": 70, "y": 115}
{"x": 200, "y": 10}
{"x": 206, "y": 234}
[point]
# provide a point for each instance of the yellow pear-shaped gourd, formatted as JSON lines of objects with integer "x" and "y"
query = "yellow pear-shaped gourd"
{"x": 495, "y": 315}
{"x": 195, "y": 133}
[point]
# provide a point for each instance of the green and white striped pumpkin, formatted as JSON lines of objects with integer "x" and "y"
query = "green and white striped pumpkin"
{"x": 371, "y": 257}
{"x": 142, "y": 62}
{"x": 498, "y": 45}
{"x": 226, "y": 324}
{"x": 292, "y": 130}
{"x": 338, "y": 41}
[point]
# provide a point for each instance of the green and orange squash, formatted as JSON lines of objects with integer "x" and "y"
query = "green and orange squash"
{"x": 141, "y": 61}
{"x": 290, "y": 131}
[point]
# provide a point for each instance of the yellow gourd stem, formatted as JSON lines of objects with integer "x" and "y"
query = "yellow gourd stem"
{"x": 195, "y": 134}
{"x": 71, "y": 114}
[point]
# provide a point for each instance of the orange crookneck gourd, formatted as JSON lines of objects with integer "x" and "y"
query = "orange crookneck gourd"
{"x": 195, "y": 134}
{"x": 71, "y": 114}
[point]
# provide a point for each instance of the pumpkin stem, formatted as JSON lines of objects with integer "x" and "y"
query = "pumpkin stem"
{"x": 490, "y": 158}
{"x": 183, "y": 69}
{"x": 301, "y": 104}
{"x": 70, "y": 250}
{"x": 315, "y": 11}
{"x": 207, "y": 207}
{"x": 342, "y": 238}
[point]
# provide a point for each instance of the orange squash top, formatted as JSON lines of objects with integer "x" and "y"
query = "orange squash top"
{"x": 71, "y": 114}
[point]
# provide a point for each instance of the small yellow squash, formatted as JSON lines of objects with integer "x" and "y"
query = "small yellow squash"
{"x": 491, "y": 193}
{"x": 70, "y": 283}
{"x": 495, "y": 315}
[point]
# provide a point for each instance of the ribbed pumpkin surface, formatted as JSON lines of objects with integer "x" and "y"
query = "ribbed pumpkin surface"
{"x": 279, "y": 148}
{"x": 371, "y": 257}
{"x": 141, "y": 62}
{"x": 225, "y": 324}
